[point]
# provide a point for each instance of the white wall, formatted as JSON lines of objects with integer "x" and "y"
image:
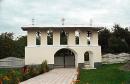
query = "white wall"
{"x": 35, "y": 55}
{"x": 31, "y": 38}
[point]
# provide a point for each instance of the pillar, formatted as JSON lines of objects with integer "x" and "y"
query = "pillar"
{"x": 94, "y": 38}
{"x": 56, "y": 37}
{"x": 71, "y": 37}
{"x": 82, "y": 38}
{"x": 43, "y": 37}
{"x": 31, "y": 38}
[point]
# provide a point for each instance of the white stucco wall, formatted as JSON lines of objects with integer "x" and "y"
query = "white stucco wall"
{"x": 36, "y": 54}
{"x": 31, "y": 38}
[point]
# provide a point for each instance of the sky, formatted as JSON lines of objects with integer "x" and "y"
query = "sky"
{"x": 17, "y": 13}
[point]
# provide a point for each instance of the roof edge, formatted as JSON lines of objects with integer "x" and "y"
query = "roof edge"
{"x": 59, "y": 27}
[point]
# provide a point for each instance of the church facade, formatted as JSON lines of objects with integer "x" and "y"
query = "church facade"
{"x": 63, "y": 46}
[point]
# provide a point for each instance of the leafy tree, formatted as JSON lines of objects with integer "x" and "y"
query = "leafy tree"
{"x": 20, "y": 46}
{"x": 119, "y": 32}
{"x": 117, "y": 45}
{"x": 10, "y": 47}
{"x": 6, "y": 45}
{"x": 104, "y": 37}
{"x": 116, "y": 41}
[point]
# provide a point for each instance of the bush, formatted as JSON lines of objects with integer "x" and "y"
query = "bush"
{"x": 14, "y": 76}
{"x": 35, "y": 70}
{"x": 10, "y": 78}
{"x": 44, "y": 66}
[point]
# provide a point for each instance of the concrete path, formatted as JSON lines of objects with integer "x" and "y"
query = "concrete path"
{"x": 56, "y": 76}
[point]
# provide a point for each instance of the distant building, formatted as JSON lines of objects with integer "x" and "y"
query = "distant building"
{"x": 63, "y": 46}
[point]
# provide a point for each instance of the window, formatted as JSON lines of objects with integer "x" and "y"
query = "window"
{"x": 38, "y": 38}
{"x": 86, "y": 56}
{"x": 63, "y": 37}
{"x": 89, "y": 37}
{"x": 77, "y": 37}
{"x": 49, "y": 37}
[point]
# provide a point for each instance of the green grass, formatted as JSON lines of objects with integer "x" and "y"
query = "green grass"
{"x": 107, "y": 74}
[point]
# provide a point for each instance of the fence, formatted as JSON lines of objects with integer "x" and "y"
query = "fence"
{"x": 11, "y": 62}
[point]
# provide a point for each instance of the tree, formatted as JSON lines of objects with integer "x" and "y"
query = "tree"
{"x": 116, "y": 41}
{"x": 119, "y": 32}
{"x": 20, "y": 46}
{"x": 6, "y": 45}
{"x": 104, "y": 37}
{"x": 10, "y": 47}
{"x": 117, "y": 45}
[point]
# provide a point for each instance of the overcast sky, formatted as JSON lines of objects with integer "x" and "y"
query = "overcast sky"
{"x": 17, "y": 13}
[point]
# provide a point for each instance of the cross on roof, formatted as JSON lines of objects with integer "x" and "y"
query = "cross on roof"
{"x": 33, "y": 21}
{"x": 63, "y": 20}
{"x": 88, "y": 33}
{"x": 38, "y": 33}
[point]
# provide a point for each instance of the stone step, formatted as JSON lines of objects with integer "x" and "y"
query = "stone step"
{"x": 88, "y": 67}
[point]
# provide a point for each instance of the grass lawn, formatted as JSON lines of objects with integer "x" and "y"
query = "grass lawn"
{"x": 107, "y": 74}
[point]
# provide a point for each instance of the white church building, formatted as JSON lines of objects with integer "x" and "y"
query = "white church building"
{"x": 63, "y": 46}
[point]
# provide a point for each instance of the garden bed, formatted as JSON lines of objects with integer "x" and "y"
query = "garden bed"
{"x": 16, "y": 75}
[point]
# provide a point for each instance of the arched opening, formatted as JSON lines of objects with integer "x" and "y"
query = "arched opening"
{"x": 77, "y": 37}
{"x": 38, "y": 38}
{"x": 64, "y": 58}
{"x": 49, "y": 37}
{"x": 63, "y": 37}
{"x": 86, "y": 57}
{"x": 89, "y": 35}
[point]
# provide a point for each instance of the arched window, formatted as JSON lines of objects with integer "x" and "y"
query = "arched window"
{"x": 77, "y": 37}
{"x": 63, "y": 37}
{"x": 49, "y": 37}
{"x": 38, "y": 38}
{"x": 86, "y": 56}
{"x": 89, "y": 34}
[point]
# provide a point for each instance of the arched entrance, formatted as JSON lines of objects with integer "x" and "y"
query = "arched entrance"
{"x": 64, "y": 58}
{"x": 88, "y": 59}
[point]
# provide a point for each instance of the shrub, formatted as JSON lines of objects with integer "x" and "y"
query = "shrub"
{"x": 1, "y": 79}
{"x": 14, "y": 76}
{"x": 25, "y": 76}
{"x": 44, "y": 66}
{"x": 10, "y": 78}
{"x": 35, "y": 70}
{"x": 32, "y": 71}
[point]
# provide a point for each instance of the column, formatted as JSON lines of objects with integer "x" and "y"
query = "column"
{"x": 71, "y": 37}
{"x": 94, "y": 38}
{"x": 56, "y": 37}
{"x": 43, "y": 37}
{"x": 31, "y": 38}
{"x": 82, "y": 38}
